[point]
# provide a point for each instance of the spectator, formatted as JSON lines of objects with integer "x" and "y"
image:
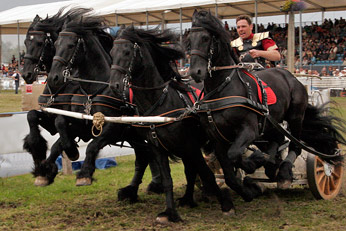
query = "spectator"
{"x": 344, "y": 63}
{"x": 226, "y": 26}
{"x": 13, "y": 59}
{"x": 336, "y": 73}
{"x": 16, "y": 77}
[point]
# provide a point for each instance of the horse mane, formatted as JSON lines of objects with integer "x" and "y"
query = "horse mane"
{"x": 56, "y": 22}
{"x": 85, "y": 25}
{"x": 162, "y": 45}
{"x": 214, "y": 26}
{"x": 211, "y": 23}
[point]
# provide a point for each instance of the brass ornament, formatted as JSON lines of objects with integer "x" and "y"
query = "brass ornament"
{"x": 254, "y": 44}
{"x": 240, "y": 48}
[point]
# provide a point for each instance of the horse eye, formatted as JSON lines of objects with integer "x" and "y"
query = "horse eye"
{"x": 205, "y": 38}
{"x": 126, "y": 53}
{"x": 70, "y": 46}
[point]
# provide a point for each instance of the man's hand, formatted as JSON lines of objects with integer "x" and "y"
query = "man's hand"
{"x": 254, "y": 53}
{"x": 271, "y": 55}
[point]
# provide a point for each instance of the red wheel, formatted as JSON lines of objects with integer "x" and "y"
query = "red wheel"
{"x": 324, "y": 179}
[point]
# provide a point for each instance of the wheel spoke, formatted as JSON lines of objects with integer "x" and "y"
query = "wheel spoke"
{"x": 321, "y": 182}
{"x": 326, "y": 186}
{"x": 319, "y": 169}
{"x": 332, "y": 183}
{"x": 336, "y": 174}
{"x": 319, "y": 161}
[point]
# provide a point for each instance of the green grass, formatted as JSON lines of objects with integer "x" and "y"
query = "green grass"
{"x": 9, "y": 101}
{"x": 63, "y": 206}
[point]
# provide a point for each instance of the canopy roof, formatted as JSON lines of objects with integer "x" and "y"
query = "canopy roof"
{"x": 155, "y": 11}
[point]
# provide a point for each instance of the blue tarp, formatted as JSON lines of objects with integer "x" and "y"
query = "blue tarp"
{"x": 101, "y": 163}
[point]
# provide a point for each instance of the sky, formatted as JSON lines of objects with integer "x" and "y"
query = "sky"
{"x": 8, "y": 4}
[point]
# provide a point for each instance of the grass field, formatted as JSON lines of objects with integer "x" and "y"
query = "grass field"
{"x": 9, "y": 101}
{"x": 63, "y": 206}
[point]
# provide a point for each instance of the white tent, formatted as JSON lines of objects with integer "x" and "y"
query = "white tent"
{"x": 155, "y": 11}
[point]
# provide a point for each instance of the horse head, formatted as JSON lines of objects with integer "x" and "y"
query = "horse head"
{"x": 127, "y": 61}
{"x": 142, "y": 58}
{"x": 35, "y": 44}
{"x": 80, "y": 50}
{"x": 40, "y": 40}
{"x": 209, "y": 44}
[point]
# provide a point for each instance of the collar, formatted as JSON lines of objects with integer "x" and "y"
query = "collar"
{"x": 250, "y": 37}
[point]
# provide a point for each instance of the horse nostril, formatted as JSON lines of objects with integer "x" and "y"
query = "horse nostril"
{"x": 199, "y": 72}
{"x": 115, "y": 86}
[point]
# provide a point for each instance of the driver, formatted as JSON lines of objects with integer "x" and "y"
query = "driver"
{"x": 253, "y": 48}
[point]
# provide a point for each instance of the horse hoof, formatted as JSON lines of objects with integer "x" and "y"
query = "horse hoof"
{"x": 286, "y": 184}
{"x": 155, "y": 188}
{"x": 229, "y": 213}
{"x": 41, "y": 181}
{"x": 162, "y": 220}
{"x": 83, "y": 182}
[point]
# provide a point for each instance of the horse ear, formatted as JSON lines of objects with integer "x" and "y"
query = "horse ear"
{"x": 37, "y": 18}
{"x": 195, "y": 12}
{"x": 47, "y": 16}
{"x": 81, "y": 20}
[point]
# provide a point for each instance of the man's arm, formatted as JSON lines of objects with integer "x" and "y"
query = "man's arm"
{"x": 271, "y": 55}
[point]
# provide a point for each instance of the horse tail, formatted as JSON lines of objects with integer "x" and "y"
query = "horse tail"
{"x": 322, "y": 130}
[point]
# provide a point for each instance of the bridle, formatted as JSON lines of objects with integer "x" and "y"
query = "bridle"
{"x": 69, "y": 63}
{"x": 127, "y": 72}
{"x": 39, "y": 60}
{"x": 209, "y": 56}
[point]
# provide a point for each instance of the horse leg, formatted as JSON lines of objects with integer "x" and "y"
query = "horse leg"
{"x": 273, "y": 162}
{"x": 247, "y": 189}
{"x": 34, "y": 142}
{"x": 67, "y": 142}
{"x": 190, "y": 174}
{"x": 84, "y": 176}
{"x": 155, "y": 185}
{"x": 46, "y": 171}
{"x": 237, "y": 149}
{"x": 210, "y": 185}
{"x": 285, "y": 175}
{"x": 142, "y": 155}
{"x": 170, "y": 214}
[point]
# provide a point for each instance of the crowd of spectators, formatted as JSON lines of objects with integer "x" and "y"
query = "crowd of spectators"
{"x": 323, "y": 44}
{"x": 14, "y": 64}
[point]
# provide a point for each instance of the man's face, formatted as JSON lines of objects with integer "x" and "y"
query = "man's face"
{"x": 244, "y": 29}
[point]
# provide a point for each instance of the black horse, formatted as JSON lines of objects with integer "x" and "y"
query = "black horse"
{"x": 143, "y": 62}
{"x": 40, "y": 50}
{"x": 83, "y": 48}
{"x": 234, "y": 111}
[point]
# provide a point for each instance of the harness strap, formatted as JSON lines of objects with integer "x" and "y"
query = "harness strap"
{"x": 159, "y": 102}
{"x": 216, "y": 132}
{"x": 219, "y": 88}
{"x": 231, "y": 101}
{"x": 60, "y": 59}
{"x": 199, "y": 53}
{"x": 119, "y": 68}
{"x": 31, "y": 57}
